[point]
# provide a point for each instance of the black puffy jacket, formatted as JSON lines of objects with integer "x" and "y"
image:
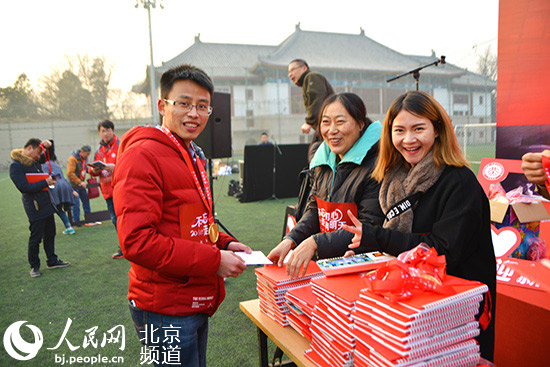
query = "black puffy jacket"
{"x": 345, "y": 182}
{"x": 38, "y": 204}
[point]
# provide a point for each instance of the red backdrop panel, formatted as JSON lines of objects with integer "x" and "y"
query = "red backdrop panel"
{"x": 523, "y": 88}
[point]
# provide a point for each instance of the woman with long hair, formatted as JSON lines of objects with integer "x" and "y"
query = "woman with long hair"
{"x": 421, "y": 167}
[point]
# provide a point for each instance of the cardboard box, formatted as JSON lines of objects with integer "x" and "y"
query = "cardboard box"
{"x": 513, "y": 225}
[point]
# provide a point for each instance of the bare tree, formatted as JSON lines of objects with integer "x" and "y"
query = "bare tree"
{"x": 81, "y": 91}
{"x": 128, "y": 105}
{"x": 96, "y": 75}
{"x": 65, "y": 98}
{"x": 487, "y": 63}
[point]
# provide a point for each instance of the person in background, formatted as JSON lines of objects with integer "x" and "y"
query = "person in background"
{"x": 166, "y": 223}
{"x": 107, "y": 153}
{"x": 342, "y": 167}
{"x": 265, "y": 140}
{"x": 63, "y": 194}
{"x": 315, "y": 89}
{"x": 420, "y": 161}
{"x": 36, "y": 201}
{"x": 76, "y": 172}
{"x": 531, "y": 163}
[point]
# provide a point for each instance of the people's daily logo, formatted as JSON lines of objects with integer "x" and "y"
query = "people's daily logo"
{"x": 19, "y": 348}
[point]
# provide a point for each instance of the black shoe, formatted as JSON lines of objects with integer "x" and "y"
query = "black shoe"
{"x": 59, "y": 264}
{"x": 35, "y": 272}
{"x": 118, "y": 254}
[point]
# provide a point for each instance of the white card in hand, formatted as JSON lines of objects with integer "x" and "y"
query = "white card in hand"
{"x": 255, "y": 258}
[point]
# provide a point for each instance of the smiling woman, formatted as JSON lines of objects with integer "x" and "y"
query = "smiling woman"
{"x": 342, "y": 167}
{"x": 421, "y": 165}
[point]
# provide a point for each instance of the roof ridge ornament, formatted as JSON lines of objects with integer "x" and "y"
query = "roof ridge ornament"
{"x": 298, "y": 27}
{"x": 198, "y": 38}
{"x": 361, "y": 31}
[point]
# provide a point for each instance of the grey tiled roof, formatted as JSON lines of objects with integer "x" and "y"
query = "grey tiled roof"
{"x": 220, "y": 60}
{"x": 339, "y": 51}
{"x": 323, "y": 51}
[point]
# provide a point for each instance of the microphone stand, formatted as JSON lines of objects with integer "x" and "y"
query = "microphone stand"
{"x": 416, "y": 72}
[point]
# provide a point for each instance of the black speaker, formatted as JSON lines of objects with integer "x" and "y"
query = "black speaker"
{"x": 215, "y": 139}
{"x": 269, "y": 167}
{"x": 288, "y": 165}
{"x": 258, "y": 173}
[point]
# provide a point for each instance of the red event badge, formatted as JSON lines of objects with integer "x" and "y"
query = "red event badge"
{"x": 333, "y": 215}
{"x": 194, "y": 223}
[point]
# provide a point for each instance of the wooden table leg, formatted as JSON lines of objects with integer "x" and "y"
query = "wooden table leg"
{"x": 262, "y": 348}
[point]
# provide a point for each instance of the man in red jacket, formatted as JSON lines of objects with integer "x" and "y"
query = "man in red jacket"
{"x": 166, "y": 225}
{"x": 107, "y": 153}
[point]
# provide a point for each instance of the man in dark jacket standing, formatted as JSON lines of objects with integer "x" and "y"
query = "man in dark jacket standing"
{"x": 36, "y": 201}
{"x": 315, "y": 88}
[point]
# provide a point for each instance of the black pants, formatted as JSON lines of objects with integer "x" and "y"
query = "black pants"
{"x": 42, "y": 229}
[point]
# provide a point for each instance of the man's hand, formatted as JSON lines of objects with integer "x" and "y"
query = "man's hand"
{"x": 84, "y": 185}
{"x": 531, "y": 163}
{"x": 46, "y": 143}
{"x": 109, "y": 167}
{"x": 237, "y": 246}
{"x": 230, "y": 264}
{"x": 50, "y": 181}
{"x": 306, "y": 128}
{"x": 279, "y": 253}
{"x": 300, "y": 258}
{"x": 96, "y": 171}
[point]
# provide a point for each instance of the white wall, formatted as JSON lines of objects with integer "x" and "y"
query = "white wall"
{"x": 484, "y": 108}
{"x": 443, "y": 96}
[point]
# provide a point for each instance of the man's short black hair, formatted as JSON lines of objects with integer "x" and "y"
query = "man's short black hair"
{"x": 34, "y": 142}
{"x": 184, "y": 72}
{"x": 107, "y": 124}
{"x": 264, "y": 133}
{"x": 302, "y": 62}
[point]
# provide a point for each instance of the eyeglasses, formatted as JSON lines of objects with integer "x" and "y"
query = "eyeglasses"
{"x": 294, "y": 68}
{"x": 202, "y": 109}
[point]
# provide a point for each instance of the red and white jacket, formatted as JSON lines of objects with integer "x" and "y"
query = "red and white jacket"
{"x": 152, "y": 186}
{"x": 106, "y": 153}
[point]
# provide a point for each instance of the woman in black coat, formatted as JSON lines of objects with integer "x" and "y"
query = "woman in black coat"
{"x": 430, "y": 195}
{"x": 342, "y": 167}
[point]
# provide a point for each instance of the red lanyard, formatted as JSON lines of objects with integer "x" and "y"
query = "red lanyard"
{"x": 205, "y": 196}
{"x": 47, "y": 154}
{"x": 83, "y": 170}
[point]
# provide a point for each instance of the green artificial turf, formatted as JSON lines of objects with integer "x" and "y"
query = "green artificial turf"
{"x": 92, "y": 291}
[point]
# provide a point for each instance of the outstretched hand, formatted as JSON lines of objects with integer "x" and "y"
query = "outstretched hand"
{"x": 237, "y": 246}
{"x": 279, "y": 253}
{"x": 301, "y": 256}
{"x": 230, "y": 264}
{"x": 356, "y": 229}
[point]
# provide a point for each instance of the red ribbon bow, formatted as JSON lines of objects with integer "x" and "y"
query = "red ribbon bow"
{"x": 417, "y": 272}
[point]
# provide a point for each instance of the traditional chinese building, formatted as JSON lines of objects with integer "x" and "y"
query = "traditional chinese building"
{"x": 264, "y": 99}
